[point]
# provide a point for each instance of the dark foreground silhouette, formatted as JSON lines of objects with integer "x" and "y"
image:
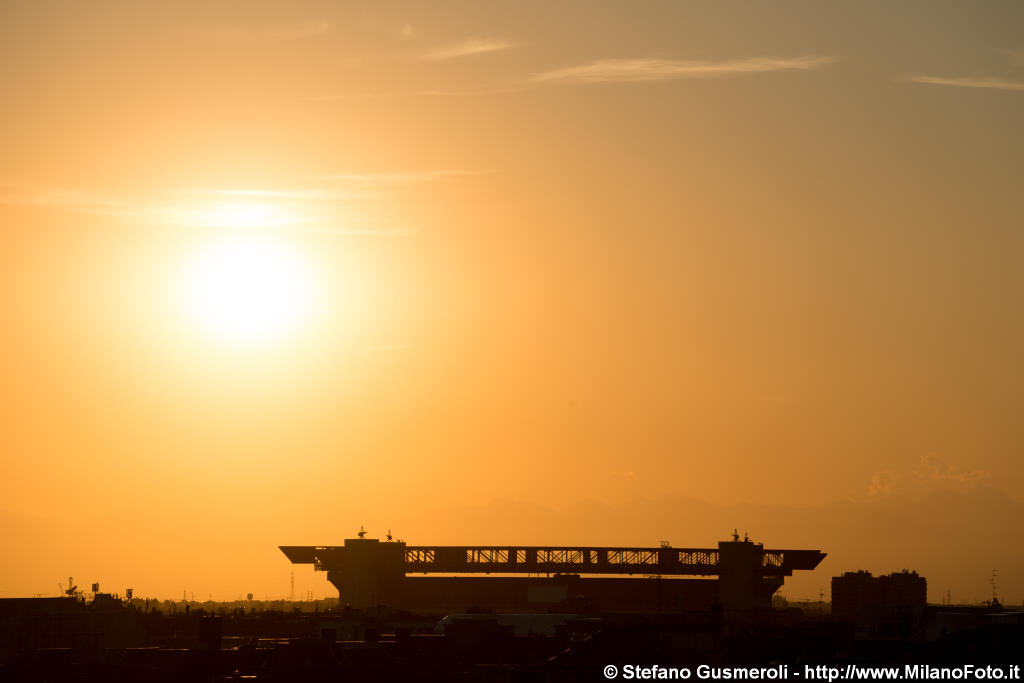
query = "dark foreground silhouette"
{"x": 66, "y": 639}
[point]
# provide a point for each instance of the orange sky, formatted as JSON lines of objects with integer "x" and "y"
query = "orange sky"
{"x": 763, "y": 254}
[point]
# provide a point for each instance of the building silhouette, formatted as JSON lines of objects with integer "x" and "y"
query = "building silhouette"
{"x": 854, "y": 590}
{"x": 738, "y": 574}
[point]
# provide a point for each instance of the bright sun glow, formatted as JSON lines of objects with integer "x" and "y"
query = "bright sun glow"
{"x": 249, "y": 290}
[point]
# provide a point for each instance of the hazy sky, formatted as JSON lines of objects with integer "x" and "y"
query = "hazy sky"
{"x": 746, "y": 253}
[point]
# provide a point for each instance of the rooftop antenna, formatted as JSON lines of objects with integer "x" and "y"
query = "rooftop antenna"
{"x": 362, "y": 532}
{"x": 995, "y": 600}
{"x": 735, "y": 535}
{"x": 389, "y": 534}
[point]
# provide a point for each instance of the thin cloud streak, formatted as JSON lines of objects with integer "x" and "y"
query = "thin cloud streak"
{"x": 468, "y": 47}
{"x": 70, "y": 199}
{"x": 330, "y": 194}
{"x": 983, "y": 83}
{"x": 304, "y": 209}
{"x": 647, "y": 70}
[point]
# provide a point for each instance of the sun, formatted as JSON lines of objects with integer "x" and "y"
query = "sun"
{"x": 247, "y": 289}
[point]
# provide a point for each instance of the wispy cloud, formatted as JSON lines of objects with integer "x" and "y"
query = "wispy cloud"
{"x": 649, "y": 69}
{"x": 317, "y": 194}
{"x": 968, "y": 82}
{"x": 600, "y": 71}
{"x": 931, "y": 473}
{"x": 882, "y": 484}
{"x": 932, "y": 467}
{"x": 70, "y": 199}
{"x": 308, "y": 205}
{"x": 468, "y": 47}
{"x": 254, "y": 34}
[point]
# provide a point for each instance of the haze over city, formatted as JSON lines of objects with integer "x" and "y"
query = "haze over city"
{"x": 582, "y": 273}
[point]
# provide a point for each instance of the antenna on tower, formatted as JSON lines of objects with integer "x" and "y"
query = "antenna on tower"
{"x": 362, "y": 532}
